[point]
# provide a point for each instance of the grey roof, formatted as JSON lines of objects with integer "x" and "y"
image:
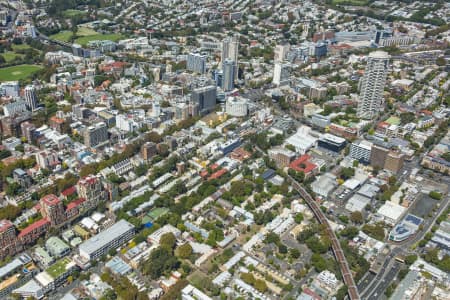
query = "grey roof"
{"x": 103, "y": 238}
{"x": 7, "y": 269}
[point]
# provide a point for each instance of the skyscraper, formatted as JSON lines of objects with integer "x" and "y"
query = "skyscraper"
{"x": 372, "y": 85}
{"x": 31, "y": 97}
{"x": 230, "y": 50}
{"x": 229, "y": 69}
{"x": 196, "y": 63}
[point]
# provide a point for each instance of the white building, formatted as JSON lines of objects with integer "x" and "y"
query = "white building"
{"x": 281, "y": 73}
{"x": 47, "y": 159}
{"x": 126, "y": 123}
{"x": 236, "y": 106}
{"x": 361, "y": 151}
{"x": 372, "y": 85}
{"x": 111, "y": 238}
{"x": 31, "y": 97}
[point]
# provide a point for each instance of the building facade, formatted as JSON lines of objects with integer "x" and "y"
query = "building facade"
{"x": 372, "y": 85}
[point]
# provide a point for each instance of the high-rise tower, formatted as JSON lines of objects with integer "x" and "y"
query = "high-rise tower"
{"x": 372, "y": 85}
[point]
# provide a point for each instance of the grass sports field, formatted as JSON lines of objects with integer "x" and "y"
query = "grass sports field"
{"x": 84, "y": 31}
{"x": 18, "y": 72}
{"x": 351, "y": 2}
{"x": 63, "y": 36}
{"x": 85, "y": 39}
{"x": 73, "y": 13}
{"x": 10, "y": 56}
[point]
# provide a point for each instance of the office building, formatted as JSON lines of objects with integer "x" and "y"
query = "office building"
{"x": 196, "y": 63}
{"x": 361, "y": 151}
{"x": 372, "y": 85}
{"x": 205, "y": 98}
{"x": 281, "y": 74}
{"x": 53, "y": 209}
{"x": 31, "y": 97}
{"x": 96, "y": 135}
{"x": 111, "y": 238}
{"x": 236, "y": 106}
{"x": 228, "y": 74}
{"x": 332, "y": 142}
{"x": 405, "y": 228}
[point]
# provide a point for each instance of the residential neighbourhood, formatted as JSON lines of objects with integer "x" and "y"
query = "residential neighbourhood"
{"x": 251, "y": 149}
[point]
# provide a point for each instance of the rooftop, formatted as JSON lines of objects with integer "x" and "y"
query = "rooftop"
{"x": 59, "y": 268}
{"x": 105, "y": 236}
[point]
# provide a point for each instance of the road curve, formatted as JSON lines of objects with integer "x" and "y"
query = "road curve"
{"x": 335, "y": 245}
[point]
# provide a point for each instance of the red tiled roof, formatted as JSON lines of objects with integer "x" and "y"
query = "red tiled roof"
{"x": 214, "y": 166}
{"x": 75, "y": 203}
{"x": 217, "y": 174}
{"x": 50, "y": 199}
{"x": 5, "y": 224}
{"x": 69, "y": 191}
{"x": 32, "y": 227}
{"x": 304, "y": 159}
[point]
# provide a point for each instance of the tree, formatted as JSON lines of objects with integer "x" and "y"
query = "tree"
{"x": 347, "y": 173}
{"x": 410, "y": 259}
{"x": 356, "y": 217}
{"x": 184, "y": 251}
{"x": 298, "y": 218}
{"x": 435, "y": 195}
{"x": 161, "y": 261}
{"x": 260, "y": 285}
{"x": 168, "y": 241}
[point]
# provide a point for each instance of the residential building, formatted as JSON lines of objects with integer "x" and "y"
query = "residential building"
{"x": 14, "y": 108}
{"x": 53, "y": 209}
{"x": 372, "y": 85}
{"x": 230, "y": 50}
{"x": 281, "y": 73}
{"x": 47, "y": 159}
{"x": 8, "y": 242}
{"x": 282, "y": 156}
{"x": 229, "y": 71}
{"x": 91, "y": 189}
{"x": 111, "y": 238}
{"x": 148, "y": 150}
{"x": 196, "y": 63}
{"x": 31, "y": 97}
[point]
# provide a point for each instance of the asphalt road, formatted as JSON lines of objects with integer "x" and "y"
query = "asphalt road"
{"x": 385, "y": 282}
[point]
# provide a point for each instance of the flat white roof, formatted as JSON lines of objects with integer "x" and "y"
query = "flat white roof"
{"x": 103, "y": 238}
{"x": 391, "y": 210}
